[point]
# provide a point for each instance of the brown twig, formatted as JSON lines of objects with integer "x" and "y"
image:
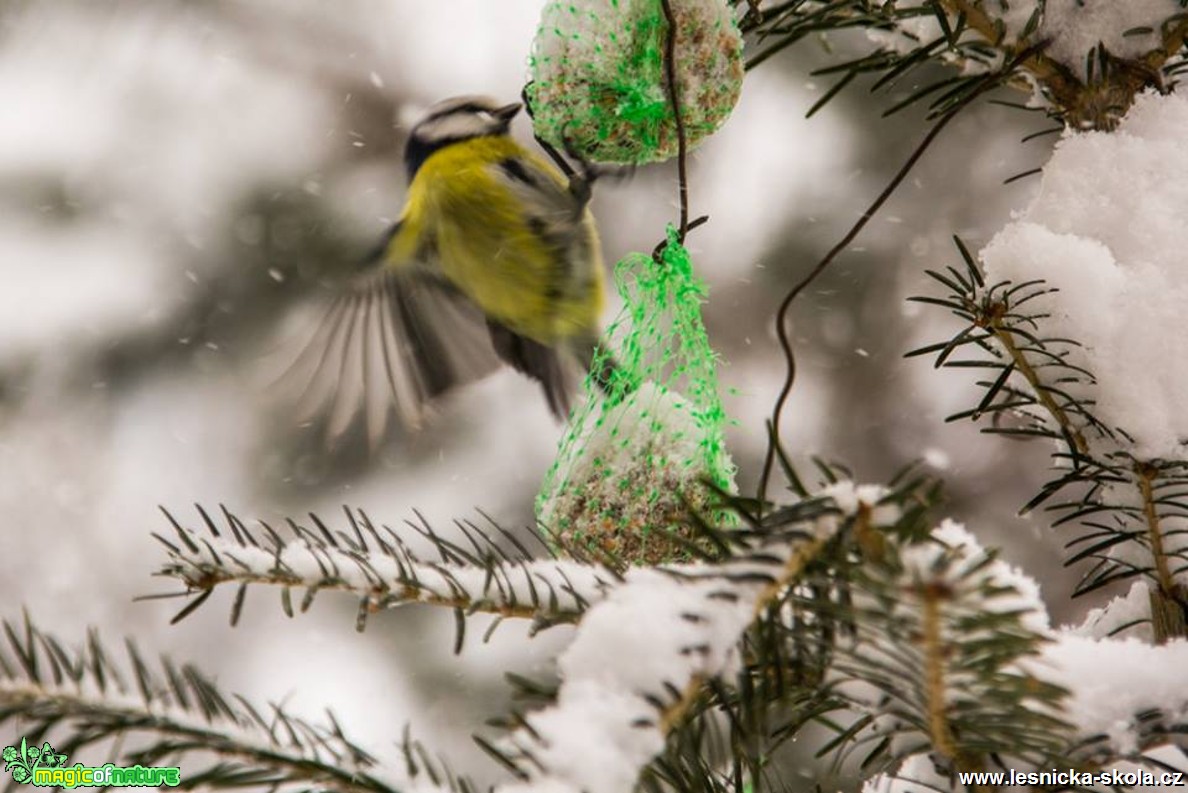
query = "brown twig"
{"x": 1052, "y": 74}
{"x": 1002, "y": 333}
{"x": 1167, "y": 617}
{"x": 935, "y": 653}
{"x": 782, "y": 313}
{"x": 678, "y": 119}
{"x": 991, "y": 82}
{"x": 203, "y": 578}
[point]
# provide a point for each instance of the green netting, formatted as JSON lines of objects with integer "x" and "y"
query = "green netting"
{"x": 598, "y": 83}
{"x": 638, "y": 453}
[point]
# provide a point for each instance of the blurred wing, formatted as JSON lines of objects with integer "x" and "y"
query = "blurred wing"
{"x": 392, "y": 343}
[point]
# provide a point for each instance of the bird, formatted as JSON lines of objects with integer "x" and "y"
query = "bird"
{"x": 495, "y": 259}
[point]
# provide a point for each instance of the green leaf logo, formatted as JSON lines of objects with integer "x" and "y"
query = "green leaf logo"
{"x": 22, "y": 762}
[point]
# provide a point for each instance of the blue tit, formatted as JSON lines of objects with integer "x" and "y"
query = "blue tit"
{"x": 495, "y": 259}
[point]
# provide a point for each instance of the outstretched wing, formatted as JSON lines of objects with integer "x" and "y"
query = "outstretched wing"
{"x": 390, "y": 344}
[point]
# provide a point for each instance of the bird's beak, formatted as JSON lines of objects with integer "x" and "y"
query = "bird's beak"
{"x": 507, "y": 112}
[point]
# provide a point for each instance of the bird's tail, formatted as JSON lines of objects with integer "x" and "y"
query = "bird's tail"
{"x": 555, "y": 371}
{"x": 538, "y": 361}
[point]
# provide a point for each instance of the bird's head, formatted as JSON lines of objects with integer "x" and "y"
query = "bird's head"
{"x": 454, "y": 120}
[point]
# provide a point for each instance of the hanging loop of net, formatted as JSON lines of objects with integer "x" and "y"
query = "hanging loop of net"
{"x": 645, "y": 452}
{"x": 598, "y": 85}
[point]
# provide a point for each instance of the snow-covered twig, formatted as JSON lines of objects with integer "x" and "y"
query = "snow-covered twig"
{"x": 1091, "y": 60}
{"x": 378, "y": 565}
{"x": 87, "y": 698}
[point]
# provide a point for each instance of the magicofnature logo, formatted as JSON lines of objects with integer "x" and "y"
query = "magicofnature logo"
{"x": 43, "y": 767}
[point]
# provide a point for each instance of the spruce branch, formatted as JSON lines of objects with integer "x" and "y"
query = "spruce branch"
{"x": 438, "y": 776}
{"x": 775, "y": 27}
{"x": 1145, "y": 474}
{"x": 83, "y": 697}
{"x": 1102, "y": 98}
{"x": 1130, "y": 509}
{"x": 998, "y": 321}
{"x": 1005, "y": 334}
{"x": 1169, "y": 598}
{"x": 973, "y": 38}
{"x": 381, "y": 568}
{"x": 692, "y": 623}
{"x": 789, "y": 651}
{"x": 1053, "y": 75}
{"x": 1037, "y": 384}
{"x": 688, "y": 619}
{"x": 934, "y": 651}
{"x": 947, "y": 639}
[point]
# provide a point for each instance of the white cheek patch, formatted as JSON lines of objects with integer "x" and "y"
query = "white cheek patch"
{"x": 456, "y": 126}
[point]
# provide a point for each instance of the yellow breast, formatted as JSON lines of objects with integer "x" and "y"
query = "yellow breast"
{"x": 463, "y": 218}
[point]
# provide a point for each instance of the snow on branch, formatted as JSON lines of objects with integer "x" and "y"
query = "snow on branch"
{"x": 1099, "y": 232}
{"x": 1126, "y": 705}
{"x": 944, "y": 635}
{"x": 380, "y": 566}
{"x": 1152, "y": 30}
{"x": 963, "y": 673}
{"x": 1127, "y": 696}
{"x": 641, "y": 656}
{"x": 1089, "y": 59}
{"x": 1083, "y": 60}
{"x": 87, "y": 696}
{"x": 1075, "y": 310}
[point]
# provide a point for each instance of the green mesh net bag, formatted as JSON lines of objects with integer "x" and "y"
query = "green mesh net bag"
{"x": 633, "y": 467}
{"x": 598, "y": 85}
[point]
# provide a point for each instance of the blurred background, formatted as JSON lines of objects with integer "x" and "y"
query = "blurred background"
{"x": 176, "y": 178}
